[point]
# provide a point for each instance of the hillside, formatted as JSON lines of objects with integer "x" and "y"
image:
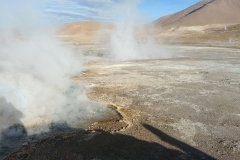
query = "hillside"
{"x": 83, "y": 31}
{"x": 203, "y": 13}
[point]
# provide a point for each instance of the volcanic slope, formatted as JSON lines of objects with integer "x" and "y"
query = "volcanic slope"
{"x": 83, "y": 31}
{"x": 203, "y": 13}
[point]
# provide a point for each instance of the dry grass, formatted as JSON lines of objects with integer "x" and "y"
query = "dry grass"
{"x": 210, "y": 37}
{"x": 84, "y": 33}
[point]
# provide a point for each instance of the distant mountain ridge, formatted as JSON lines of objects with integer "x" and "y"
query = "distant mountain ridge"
{"x": 84, "y": 31}
{"x": 203, "y": 13}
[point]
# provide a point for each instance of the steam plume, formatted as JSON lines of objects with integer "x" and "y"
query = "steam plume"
{"x": 35, "y": 71}
{"x": 130, "y": 41}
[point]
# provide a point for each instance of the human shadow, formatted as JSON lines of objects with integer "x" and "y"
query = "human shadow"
{"x": 106, "y": 146}
{"x": 191, "y": 151}
{"x": 65, "y": 143}
{"x": 119, "y": 146}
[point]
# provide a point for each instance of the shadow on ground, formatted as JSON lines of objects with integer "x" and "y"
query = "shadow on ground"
{"x": 63, "y": 142}
{"x": 190, "y": 152}
{"x": 106, "y": 146}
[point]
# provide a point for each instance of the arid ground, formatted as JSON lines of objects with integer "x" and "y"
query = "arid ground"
{"x": 184, "y": 107}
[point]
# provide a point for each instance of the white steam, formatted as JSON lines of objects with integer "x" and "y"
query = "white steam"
{"x": 35, "y": 71}
{"x": 128, "y": 41}
{"x": 35, "y": 76}
{"x": 35, "y": 67}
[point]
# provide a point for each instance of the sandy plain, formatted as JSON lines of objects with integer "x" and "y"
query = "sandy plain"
{"x": 184, "y": 107}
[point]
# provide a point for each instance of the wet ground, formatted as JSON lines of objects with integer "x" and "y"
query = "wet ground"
{"x": 185, "y": 107}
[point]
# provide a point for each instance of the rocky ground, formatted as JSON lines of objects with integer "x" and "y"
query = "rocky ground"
{"x": 185, "y": 107}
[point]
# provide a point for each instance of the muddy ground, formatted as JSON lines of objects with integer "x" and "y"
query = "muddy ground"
{"x": 184, "y": 107}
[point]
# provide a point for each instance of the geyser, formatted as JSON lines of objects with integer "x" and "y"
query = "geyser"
{"x": 130, "y": 40}
{"x": 35, "y": 71}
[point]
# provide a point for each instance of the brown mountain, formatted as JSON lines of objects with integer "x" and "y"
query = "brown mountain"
{"x": 83, "y": 31}
{"x": 203, "y": 13}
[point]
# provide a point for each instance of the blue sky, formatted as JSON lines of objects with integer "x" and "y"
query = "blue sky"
{"x": 158, "y": 8}
{"x": 19, "y": 13}
{"x": 80, "y": 10}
